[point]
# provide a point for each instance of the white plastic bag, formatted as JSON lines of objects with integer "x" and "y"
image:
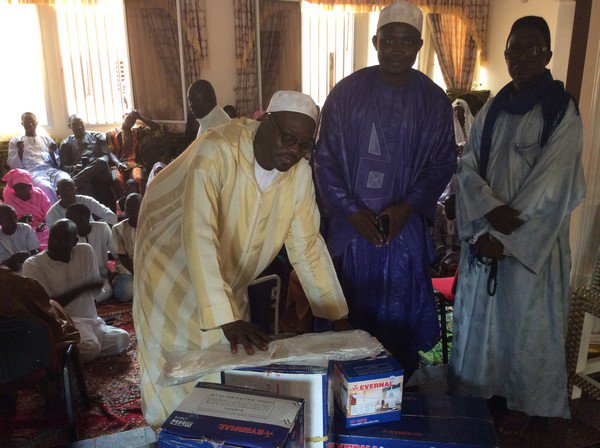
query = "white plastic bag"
{"x": 186, "y": 366}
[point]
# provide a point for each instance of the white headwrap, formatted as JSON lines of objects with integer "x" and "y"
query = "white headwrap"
{"x": 460, "y": 134}
{"x": 288, "y": 101}
{"x": 401, "y": 12}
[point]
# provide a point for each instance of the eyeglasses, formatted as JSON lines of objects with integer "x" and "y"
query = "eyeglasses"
{"x": 305, "y": 146}
{"x": 530, "y": 52}
{"x": 405, "y": 42}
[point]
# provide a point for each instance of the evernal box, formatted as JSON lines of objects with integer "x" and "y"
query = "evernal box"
{"x": 369, "y": 391}
{"x": 213, "y": 415}
{"x": 312, "y": 383}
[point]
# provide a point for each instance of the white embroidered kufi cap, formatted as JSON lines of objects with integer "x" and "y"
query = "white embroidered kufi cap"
{"x": 401, "y": 12}
{"x": 289, "y": 101}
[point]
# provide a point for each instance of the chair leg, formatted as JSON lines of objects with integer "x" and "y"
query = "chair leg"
{"x": 444, "y": 336}
{"x": 69, "y": 401}
{"x": 76, "y": 364}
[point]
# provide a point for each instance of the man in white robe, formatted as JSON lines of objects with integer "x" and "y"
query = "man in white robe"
{"x": 203, "y": 103}
{"x": 37, "y": 154}
{"x": 69, "y": 273}
{"x": 519, "y": 179}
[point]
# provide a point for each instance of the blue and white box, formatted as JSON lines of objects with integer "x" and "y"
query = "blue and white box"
{"x": 214, "y": 415}
{"x": 428, "y": 421}
{"x": 310, "y": 382}
{"x": 369, "y": 391}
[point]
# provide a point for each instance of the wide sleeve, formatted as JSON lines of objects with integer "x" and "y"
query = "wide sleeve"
{"x": 309, "y": 256}
{"x": 13, "y": 160}
{"x": 31, "y": 241}
{"x": 53, "y": 214}
{"x": 553, "y": 188}
{"x": 330, "y": 162}
{"x": 101, "y": 211}
{"x": 201, "y": 242}
{"x": 474, "y": 197}
{"x": 435, "y": 175}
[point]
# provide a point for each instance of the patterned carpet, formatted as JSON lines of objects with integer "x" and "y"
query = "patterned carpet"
{"x": 113, "y": 385}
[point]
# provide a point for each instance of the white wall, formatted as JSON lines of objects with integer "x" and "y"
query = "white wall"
{"x": 220, "y": 69}
{"x": 503, "y": 13}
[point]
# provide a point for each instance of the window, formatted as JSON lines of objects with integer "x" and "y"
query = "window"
{"x": 327, "y": 49}
{"x": 93, "y": 48}
{"x": 71, "y": 56}
{"x": 337, "y": 42}
{"x": 22, "y": 79}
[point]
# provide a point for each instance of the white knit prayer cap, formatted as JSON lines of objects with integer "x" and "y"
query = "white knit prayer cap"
{"x": 288, "y": 101}
{"x": 401, "y": 12}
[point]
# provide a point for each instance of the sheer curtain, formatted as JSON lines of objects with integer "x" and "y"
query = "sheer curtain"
{"x": 154, "y": 57}
{"x": 280, "y": 47}
{"x": 472, "y": 12}
{"x": 246, "y": 88}
{"x": 456, "y": 50}
{"x": 195, "y": 44}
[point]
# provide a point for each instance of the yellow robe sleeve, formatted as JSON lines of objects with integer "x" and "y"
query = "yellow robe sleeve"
{"x": 201, "y": 243}
{"x": 308, "y": 254}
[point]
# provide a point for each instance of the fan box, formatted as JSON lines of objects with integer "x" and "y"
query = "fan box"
{"x": 310, "y": 382}
{"x": 214, "y": 415}
{"x": 368, "y": 391}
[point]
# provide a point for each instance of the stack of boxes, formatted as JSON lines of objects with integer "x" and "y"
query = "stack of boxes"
{"x": 371, "y": 411}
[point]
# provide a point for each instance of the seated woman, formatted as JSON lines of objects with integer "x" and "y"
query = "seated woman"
{"x": 30, "y": 203}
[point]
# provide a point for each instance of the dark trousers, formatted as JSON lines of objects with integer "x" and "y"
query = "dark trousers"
{"x": 96, "y": 180}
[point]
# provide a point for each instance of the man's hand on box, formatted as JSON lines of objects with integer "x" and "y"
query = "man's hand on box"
{"x": 247, "y": 334}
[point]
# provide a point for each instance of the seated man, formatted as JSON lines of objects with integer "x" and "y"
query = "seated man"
{"x": 123, "y": 235}
{"x": 69, "y": 273}
{"x": 98, "y": 235}
{"x": 17, "y": 240}
{"x": 85, "y": 156}
{"x": 36, "y": 154}
{"x": 67, "y": 191}
{"x": 125, "y": 145}
{"x": 30, "y": 203}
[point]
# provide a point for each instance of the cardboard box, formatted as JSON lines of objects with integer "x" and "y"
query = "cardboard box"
{"x": 431, "y": 421}
{"x": 312, "y": 383}
{"x": 213, "y": 415}
{"x": 369, "y": 391}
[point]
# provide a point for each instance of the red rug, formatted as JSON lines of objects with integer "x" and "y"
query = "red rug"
{"x": 113, "y": 385}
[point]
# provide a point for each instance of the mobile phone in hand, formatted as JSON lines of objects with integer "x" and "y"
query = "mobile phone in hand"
{"x": 383, "y": 225}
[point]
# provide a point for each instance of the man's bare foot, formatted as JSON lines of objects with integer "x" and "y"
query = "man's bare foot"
{"x": 514, "y": 423}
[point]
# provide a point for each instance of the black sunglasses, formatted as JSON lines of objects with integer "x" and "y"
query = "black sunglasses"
{"x": 306, "y": 146}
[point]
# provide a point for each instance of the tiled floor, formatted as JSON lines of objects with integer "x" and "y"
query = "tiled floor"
{"x": 136, "y": 438}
